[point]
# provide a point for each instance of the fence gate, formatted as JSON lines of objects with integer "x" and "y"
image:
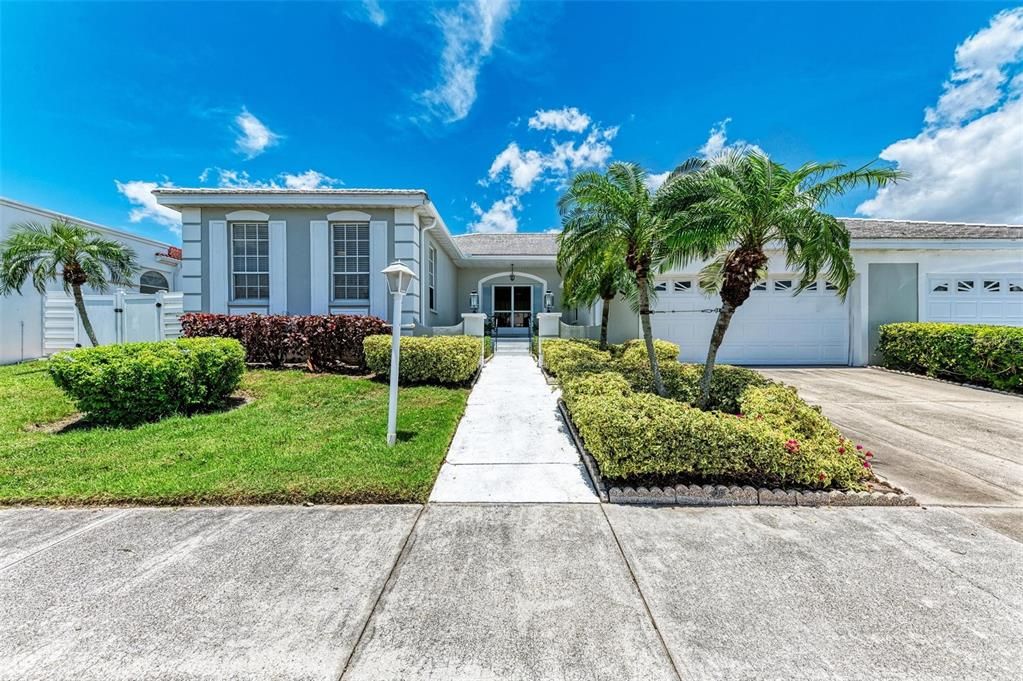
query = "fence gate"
{"x": 116, "y": 318}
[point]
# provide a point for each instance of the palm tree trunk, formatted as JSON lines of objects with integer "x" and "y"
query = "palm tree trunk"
{"x": 648, "y": 334}
{"x": 720, "y": 326}
{"x": 83, "y": 315}
{"x": 604, "y": 315}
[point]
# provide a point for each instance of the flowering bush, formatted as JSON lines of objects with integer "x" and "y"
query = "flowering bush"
{"x": 975, "y": 353}
{"x": 322, "y": 342}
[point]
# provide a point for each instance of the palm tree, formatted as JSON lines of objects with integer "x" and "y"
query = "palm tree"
{"x": 616, "y": 213}
{"x": 78, "y": 255}
{"x": 593, "y": 275}
{"x": 740, "y": 203}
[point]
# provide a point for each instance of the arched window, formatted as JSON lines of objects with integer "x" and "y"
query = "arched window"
{"x": 152, "y": 282}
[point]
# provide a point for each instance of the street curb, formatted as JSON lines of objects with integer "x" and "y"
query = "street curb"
{"x": 723, "y": 495}
{"x": 945, "y": 380}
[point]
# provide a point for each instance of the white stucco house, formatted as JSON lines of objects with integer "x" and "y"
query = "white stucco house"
{"x": 23, "y": 318}
{"x": 317, "y": 252}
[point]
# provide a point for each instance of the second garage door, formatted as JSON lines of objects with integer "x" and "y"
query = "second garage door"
{"x": 772, "y": 327}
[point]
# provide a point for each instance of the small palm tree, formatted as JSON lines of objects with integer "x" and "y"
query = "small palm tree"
{"x": 615, "y": 212}
{"x": 76, "y": 254}
{"x": 589, "y": 276}
{"x": 738, "y": 204}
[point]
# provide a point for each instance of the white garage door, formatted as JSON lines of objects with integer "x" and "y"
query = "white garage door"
{"x": 772, "y": 327}
{"x": 975, "y": 298}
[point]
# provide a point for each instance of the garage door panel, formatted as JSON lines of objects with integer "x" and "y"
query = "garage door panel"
{"x": 972, "y": 298}
{"x": 772, "y": 327}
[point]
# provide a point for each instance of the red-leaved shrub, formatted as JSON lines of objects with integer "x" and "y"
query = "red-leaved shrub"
{"x": 322, "y": 342}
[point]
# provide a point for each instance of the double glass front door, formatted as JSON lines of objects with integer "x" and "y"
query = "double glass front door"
{"x": 513, "y": 306}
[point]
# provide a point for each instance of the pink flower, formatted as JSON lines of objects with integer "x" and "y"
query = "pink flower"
{"x": 841, "y": 450}
{"x": 869, "y": 454}
{"x": 866, "y": 464}
{"x": 859, "y": 447}
{"x": 821, "y": 477}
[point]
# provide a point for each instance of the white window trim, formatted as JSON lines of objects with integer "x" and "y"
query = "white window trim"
{"x": 231, "y": 285}
{"x": 431, "y": 272}
{"x": 333, "y": 272}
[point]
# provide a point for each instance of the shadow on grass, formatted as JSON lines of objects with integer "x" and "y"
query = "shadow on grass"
{"x": 80, "y": 422}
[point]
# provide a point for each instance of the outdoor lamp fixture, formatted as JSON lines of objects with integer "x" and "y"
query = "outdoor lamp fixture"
{"x": 399, "y": 278}
{"x": 548, "y": 300}
{"x": 512, "y": 277}
{"x": 474, "y": 301}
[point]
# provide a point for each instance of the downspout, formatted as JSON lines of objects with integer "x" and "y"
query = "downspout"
{"x": 424, "y": 265}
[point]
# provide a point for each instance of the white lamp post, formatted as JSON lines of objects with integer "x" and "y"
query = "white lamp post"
{"x": 399, "y": 278}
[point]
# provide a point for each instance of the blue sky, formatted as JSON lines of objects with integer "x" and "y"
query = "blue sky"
{"x": 491, "y": 105}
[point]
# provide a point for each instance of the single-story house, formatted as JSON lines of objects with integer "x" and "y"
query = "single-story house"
{"x": 290, "y": 251}
{"x": 23, "y": 318}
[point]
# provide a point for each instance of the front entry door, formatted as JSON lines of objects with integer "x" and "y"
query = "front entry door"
{"x": 513, "y": 306}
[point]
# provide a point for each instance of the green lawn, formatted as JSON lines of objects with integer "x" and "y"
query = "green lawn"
{"x": 303, "y": 437}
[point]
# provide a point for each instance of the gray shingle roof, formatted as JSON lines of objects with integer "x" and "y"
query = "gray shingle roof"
{"x": 859, "y": 228}
{"x": 279, "y": 190}
{"x": 912, "y": 229}
{"x": 508, "y": 244}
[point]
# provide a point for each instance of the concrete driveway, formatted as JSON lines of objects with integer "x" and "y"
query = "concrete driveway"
{"x": 948, "y": 445}
{"x": 507, "y": 592}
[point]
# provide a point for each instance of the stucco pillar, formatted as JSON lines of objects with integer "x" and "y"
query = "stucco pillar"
{"x": 473, "y": 323}
{"x": 549, "y": 323}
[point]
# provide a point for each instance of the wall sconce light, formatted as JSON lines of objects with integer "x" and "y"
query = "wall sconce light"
{"x": 512, "y": 277}
{"x": 548, "y": 300}
{"x": 474, "y": 301}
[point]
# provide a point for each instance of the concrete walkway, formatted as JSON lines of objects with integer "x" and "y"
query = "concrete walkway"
{"x": 512, "y": 445}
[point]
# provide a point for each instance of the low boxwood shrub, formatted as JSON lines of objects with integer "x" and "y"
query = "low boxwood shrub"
{"x": 638, "y": 435}
{"x": 132, "y": 383}
{"x": 682, "y": 382}
{"x": 322, "y": 342}
{"x": 563, "y": 357}
{"x": 973, "y": 353}
{"x": 426, "y": 359}
{"x": 634, "y": 351}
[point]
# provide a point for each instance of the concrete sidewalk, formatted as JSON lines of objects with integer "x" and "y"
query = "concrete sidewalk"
{"x": 512, "y": 592}
{"x": 512, "y": 444}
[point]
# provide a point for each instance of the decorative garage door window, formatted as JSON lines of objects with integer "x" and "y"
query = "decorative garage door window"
{"x": 975, "y": 298}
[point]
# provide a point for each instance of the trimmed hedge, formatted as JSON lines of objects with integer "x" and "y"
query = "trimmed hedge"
{"x": 634, "y": 351}
{"x": 635, "y": 435}
{"x": 426, "y": 359}
{"x": 972, "y": 353}
{"x": 133, "y": 383}
{"x": 321, "y": 342}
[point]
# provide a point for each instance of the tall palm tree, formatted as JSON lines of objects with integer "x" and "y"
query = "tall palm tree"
{"x": 616, "y": 212}
{"x": 588, "y": 276}
{"x": 76, "y": 254}
{"x": 740, "y": 203}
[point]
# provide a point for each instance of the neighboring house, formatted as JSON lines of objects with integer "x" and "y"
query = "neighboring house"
{"x": 22, "y": 316}
{"x": 316, "y": 252}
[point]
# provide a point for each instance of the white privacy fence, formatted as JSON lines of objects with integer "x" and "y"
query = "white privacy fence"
{"x": 578, "y": 331}
{"x": 116, "y": 318}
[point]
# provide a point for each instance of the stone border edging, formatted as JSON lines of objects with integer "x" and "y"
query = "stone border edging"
{"x": 945, "y": 380}
{"x": 724, "y": 495}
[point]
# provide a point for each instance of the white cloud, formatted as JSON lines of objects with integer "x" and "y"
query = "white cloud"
{"x": 520, "y": 170}
{"x": 254, "y": 137}
{"x": 240, "y": 179}
{"x": 965, "y": 164}
{"x": 980, "y": 70}
{"x": 717, "y": 142}
{"x": 499, "y": 218}
{"x": 470, "y": 30}
{"x": 374, "y": 13}
{"x": 140, "y": 194}
{"x": 655, "y": 180}
{"x": 565, "y": 118}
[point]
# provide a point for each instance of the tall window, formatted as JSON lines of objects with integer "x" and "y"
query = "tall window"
{"x": 431, "y": 274}
{"x": 250, "y": 260}
{"x": 351, "y": 260}
{"x": 152, "y": 282}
